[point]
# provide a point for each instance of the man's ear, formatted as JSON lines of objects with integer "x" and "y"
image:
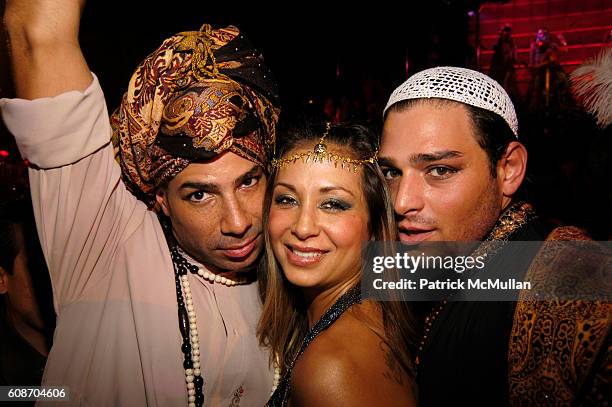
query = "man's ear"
{"x": 161, "y": 196}
{"x": 3, "y": 281}
{"x": 511, "y": 168}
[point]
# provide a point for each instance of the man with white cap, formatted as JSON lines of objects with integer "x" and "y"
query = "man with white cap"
{"x": 454, "y": 163}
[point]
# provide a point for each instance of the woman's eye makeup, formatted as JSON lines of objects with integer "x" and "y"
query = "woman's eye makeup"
{"x": 326, "y": 203}
{"x": 335, "y": 205}
{"x": 284, "y": 200}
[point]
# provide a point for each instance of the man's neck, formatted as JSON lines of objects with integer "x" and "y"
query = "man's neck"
{"x": 506, "y": 203}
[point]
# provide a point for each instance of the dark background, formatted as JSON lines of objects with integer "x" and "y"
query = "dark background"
{"x": 304, "y": 44}
{"x": 316, "y": 50}
{"x": 355, "y": 55}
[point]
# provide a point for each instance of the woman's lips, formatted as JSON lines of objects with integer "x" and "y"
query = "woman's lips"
{"x": 241, "y": 251}
{"x": 305, "y": 256}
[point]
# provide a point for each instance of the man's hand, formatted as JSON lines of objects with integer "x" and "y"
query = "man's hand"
{"x": 45, "y": 52}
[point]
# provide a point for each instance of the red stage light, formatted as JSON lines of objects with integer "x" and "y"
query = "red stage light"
{"x": 4, "y": 153}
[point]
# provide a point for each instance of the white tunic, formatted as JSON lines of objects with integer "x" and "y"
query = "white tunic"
{"x": 117, "y": 341}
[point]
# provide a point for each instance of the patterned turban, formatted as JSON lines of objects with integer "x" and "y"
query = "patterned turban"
{"x": 199, "y": 94}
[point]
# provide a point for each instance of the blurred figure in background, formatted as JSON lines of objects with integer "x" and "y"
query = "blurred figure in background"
{"x": 27, "y": 318}
{"x": 549, "y": 88}
{"x": 502, "y": 64}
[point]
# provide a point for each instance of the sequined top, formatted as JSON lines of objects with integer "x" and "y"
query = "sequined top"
{"x": 281, "y": 395}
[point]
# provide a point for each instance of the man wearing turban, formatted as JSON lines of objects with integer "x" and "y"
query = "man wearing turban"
{"x": 152, "y": 260}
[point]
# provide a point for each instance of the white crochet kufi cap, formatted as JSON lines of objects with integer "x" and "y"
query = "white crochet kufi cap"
{"x": 461, "y": 85}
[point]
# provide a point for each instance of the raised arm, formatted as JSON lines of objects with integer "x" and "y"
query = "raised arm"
{"x": 45, "y": 52}
{"x": 83, "y": 210}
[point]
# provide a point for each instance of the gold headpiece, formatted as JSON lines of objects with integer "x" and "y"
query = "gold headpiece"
{"x": 320, "y": 154}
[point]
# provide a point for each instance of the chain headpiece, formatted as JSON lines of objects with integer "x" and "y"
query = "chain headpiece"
{"x": 320, "y": 154}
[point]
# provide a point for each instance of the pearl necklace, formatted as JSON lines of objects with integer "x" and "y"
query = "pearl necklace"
{"x": 194, "y": 340}
{"x": 188, "y": 328}
{"x": 216, "y": 278}
{"x": 277, "y": 374}
{"x": 210, "y": 276}
{"x": 188, "y": 324}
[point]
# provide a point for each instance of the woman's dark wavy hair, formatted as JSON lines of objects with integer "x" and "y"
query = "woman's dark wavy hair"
{"x": 283, "y": 324}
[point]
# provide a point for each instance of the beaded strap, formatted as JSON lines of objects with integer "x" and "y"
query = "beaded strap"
{"x": 346, "y": 300}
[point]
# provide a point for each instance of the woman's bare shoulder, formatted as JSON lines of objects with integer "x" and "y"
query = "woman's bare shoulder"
{"x": 349, "y": 364}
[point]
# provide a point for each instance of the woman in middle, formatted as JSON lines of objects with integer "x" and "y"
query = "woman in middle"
{"x": 326, "y": 197}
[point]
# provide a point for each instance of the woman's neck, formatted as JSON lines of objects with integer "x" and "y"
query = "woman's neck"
{"x": 319, "y": 300}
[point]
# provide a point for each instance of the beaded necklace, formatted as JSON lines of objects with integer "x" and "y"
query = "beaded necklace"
{"x": 189, "y": 330}
{"x": 188, "y": 322}
{"x": 187, "y": 318}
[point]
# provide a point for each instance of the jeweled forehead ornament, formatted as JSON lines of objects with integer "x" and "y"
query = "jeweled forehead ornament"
{"x": 461, "y": 85}
{"x": 321, "y": 154}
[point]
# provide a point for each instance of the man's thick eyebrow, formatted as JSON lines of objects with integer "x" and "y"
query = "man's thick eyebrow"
{"x": 201, "y": 186}
{"x": 253, "y": 172}
{"x": 386, "y": 162}
{"x": 213, "y": 188}
{"x": 423, "y": 158}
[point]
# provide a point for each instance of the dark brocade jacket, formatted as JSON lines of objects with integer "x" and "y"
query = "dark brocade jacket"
{"x": 524, "y": 353}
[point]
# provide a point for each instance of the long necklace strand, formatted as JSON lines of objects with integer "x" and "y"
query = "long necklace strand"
{"x": 188, "y": 323}
{"x": 189, "y": 330}
{"x": 188, "y": 320}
